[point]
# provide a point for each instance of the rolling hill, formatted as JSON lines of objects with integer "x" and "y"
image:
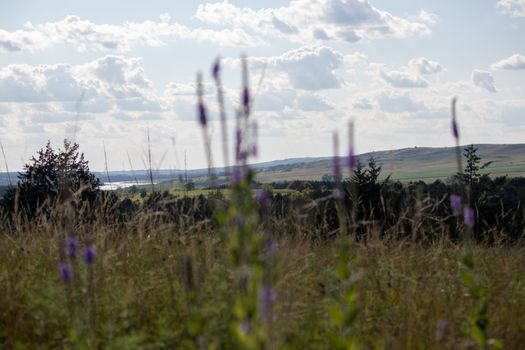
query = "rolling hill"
{"x": 418, "y": 163}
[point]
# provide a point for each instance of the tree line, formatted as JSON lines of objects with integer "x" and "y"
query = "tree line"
{"x": 58, "y": 178}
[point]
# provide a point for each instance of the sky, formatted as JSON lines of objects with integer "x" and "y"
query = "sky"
{"x": 104, "y": 73}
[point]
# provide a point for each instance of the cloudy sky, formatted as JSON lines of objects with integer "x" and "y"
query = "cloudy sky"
{"x": 129, "y": 66}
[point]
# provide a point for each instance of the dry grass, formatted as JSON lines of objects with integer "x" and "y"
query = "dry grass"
{"x": 406, "y": 292}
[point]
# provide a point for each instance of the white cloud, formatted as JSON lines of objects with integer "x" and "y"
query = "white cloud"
{"x": 513, "y": 114}
{"x": 514, "y": 62}
{"x": 86, "y": 35}
{"x": 427, "y": 17}
{"x": 51, "y": 92}
{"x": 307, "y": 68}
{"x": 363, "y": 104}
{"x": 425, "y": 66}
{"x": 274, "y": 100}
{"x": 483, "y": 80}
{"x": 4, "y": 108}
{"x": 25, "y": 83}
{"x": 514, "y": 8}
{"x": 307, "y": 20}
{"x": 312, "y": 103}
{"x": 403, "y": 80}
{"x": 409, "y": 76}
{"x": 396, "y": 103}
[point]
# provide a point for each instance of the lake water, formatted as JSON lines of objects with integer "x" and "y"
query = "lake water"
{"x": 121, "y": 184}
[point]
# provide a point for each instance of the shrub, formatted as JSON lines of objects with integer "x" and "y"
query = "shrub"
{"x": 50, "y": 178}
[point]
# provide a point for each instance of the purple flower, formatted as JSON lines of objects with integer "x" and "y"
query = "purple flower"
{"x": 267, "y": 298}
{"x": 262, "y": 196}
{"x": 338, "y": 194}
{"x": 245, "y": 327}
{"x": 66, "y": 275}
{"x": 455, "y": 130}
{"x": 246, "y": 100}
{"x": 441, "y": 329}
{"x": 352, "y": 159}
{"x": 455, "y": 204}
{"x": 203, "y": 120}
{"x": 238, "y": 145}
{"x": 469, "y": 216}
{"x": 336, "y": 168}
{"x": 271, "y": 247}
{"x": 72, "y": 246}
{"x": 89, "y": 254}
{"x": 237, "y": 175}
{"x": 216, "y": 69}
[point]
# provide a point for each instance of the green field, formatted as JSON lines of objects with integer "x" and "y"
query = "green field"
{"x": 413, "y": 164}
{"x": 409, "y": 296}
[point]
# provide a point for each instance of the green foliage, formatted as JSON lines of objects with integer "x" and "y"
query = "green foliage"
{"x": 52, "y": 177}
{"x": 344, "y": 307}
{"x": 189, "y": 186}
{"x": 479, "y": 320}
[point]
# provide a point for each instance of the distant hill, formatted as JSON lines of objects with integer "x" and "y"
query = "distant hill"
{"x": 418, "y": 163}
{"x": 406, "y": 164}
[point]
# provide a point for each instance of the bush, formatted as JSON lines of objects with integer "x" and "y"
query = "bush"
{"x": 50, "y": 178}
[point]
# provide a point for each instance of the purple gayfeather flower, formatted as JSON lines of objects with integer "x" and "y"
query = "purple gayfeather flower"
{"x": 72, "y": 246}
{"x": 469, "y": 216}
{"x": 238, "y": 174}
{"x": 441, "y": 329}
{"x": 65, "y": 272}
{"x": 267, "y": 298}
{"x": 203, "y": 120}
{"x": 89, "y": 254}
{"x": 338, "y": 194}
{"x": 271, "y": 247}
{"x": 262, "y": 196}
{"x": 336, "y": 168}
{"x": 455, "y": 130}
{"x": 245, "y": 327}
{"x": 455, "y": 204}
{"x": 352, "y": 159}
{"x": 216, "y": 69}
{"x": 238, "y": 144}
{"x": 246, "y": 100}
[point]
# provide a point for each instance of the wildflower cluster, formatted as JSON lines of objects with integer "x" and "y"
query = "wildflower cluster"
{"x": 479, "y": 320}
{"x": 343, "y": 308}
{"x": 459, "y": 202}
{"x": 71, "y": 247}
{"x": 70, "y": 273}
{"x": 251, "y": 252}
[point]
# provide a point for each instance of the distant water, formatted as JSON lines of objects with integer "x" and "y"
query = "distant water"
{"x": 121, "y": 184}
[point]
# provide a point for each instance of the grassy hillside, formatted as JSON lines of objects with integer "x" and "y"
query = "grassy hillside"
{"x": 405, "y": 164}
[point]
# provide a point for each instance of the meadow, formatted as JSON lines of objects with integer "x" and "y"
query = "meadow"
{"x": 362, "y": 263}
{"x": 409, "y": 295}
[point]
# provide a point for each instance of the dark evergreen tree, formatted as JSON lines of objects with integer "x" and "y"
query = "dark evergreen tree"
{"x": 51, "y": 177}
{"x": 471, "y": 174}
{"x": 365, "y": 190}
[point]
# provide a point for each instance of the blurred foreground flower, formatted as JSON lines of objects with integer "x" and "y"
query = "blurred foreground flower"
{"x": 72, "y": 246}
{"x": 66, "y": 275}
{"x": 267, "y": 299}
{"x": 455, "y": 204}
{"x": 89, "y": 254}
{"x": 469, "y": 217}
